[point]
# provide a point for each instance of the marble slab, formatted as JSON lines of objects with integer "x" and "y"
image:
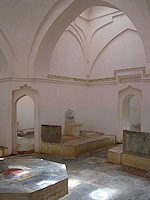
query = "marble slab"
{"x": 40, "y": 179}
{"x": 136, "y": 143}
{"x": 51, "y": 133}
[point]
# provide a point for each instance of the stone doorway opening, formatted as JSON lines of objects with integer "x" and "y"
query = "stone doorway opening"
{"x": 25, "y": 124}
{"x": 31, "y": 96}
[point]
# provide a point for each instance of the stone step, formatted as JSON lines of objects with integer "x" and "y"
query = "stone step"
{"x": 75, "y": 148}
{"x": 71, "y": 146}
{"x": 114, "y": 154}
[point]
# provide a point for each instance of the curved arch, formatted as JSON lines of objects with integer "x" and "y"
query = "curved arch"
{"x": 80, "y": 42}
{"x": 7, "y": 52}
{"x": 110, "y": 21}
{"x": 53, "y": 67}
{"x": 125, "y": 95}
{"x": 121, "y": 32}
{"x": 40, "y": 55}
{"x": 16, "y": 95}
{"x": 80, "y": 30}
{"x": 41, "y": 50}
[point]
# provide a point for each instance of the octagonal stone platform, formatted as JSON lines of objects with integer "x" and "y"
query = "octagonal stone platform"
{"x": 40, "y": 179}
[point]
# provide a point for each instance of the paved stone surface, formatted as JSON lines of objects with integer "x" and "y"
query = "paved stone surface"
{"x": 47, "y": 178}
{"x": 91, "y": 177}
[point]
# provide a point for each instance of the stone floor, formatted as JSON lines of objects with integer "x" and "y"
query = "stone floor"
{"x": 91, "y": 177}
{"x": 25, "y": 144}
{"x": 29, "y": 178}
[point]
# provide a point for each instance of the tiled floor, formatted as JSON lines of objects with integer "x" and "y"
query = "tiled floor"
{"x": 91, "y": 177}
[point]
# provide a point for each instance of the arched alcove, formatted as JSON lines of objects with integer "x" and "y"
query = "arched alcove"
{"x": 16, "y": 96}
{"x": 131, "y": 113}
{"x": 25, "y": 124}
{"x": 135, "y": 114}
{"x": 125, "y": 106}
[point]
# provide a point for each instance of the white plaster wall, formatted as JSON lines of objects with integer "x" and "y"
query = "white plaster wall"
{"x": 25, "y": 113}
{"x": 3, "y": 65}
{"x": 6, "y": 116}
{"x": 68, "y": 58}
{"x": 146, "y": 107}
{"x": 125, "y": 51}
{"x": 135, "y": 111}
{"x": 94, "y": 106}
{"x": 56, "y": 99}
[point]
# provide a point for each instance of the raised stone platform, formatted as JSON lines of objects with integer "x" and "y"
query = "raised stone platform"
{"x": 38, "y": 180}
{"x": 135, "y": 151}
{"x": 72, "y": 146}
{"x": 82, "y": 146}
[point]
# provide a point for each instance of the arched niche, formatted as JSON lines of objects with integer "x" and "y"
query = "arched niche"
{"x": 124, "y": 109}
{"x": 16, "y": 95}
{"x": 135, "y": 114}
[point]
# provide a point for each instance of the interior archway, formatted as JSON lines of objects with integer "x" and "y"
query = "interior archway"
{"x": 40, "y": 59}
{"x": 16, "y": 95}
{"x": 25, "y": 124}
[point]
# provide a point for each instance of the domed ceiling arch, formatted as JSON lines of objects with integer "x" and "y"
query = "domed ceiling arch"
{"x": 40, "y": 59}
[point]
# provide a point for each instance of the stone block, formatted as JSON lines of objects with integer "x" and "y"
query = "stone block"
{"x": 73, "y": 129}
{"x": 44, "y": 147}
{"x": 114, "y": 155}
{"x": 83, "y": 133}
{"x": 135, "y": 161}
{"x": 51, "y": 133}
{"x": 56, "y": 149}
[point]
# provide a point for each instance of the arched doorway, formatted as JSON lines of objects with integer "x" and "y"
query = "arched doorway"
{"x": 25, "y": 124}
{"x": 17, "y": 95}
{"x": 129, "y": 101}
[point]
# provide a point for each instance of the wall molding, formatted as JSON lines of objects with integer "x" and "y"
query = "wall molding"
{"x": 121, "y": 76}
{"x": 130, "y": 75}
